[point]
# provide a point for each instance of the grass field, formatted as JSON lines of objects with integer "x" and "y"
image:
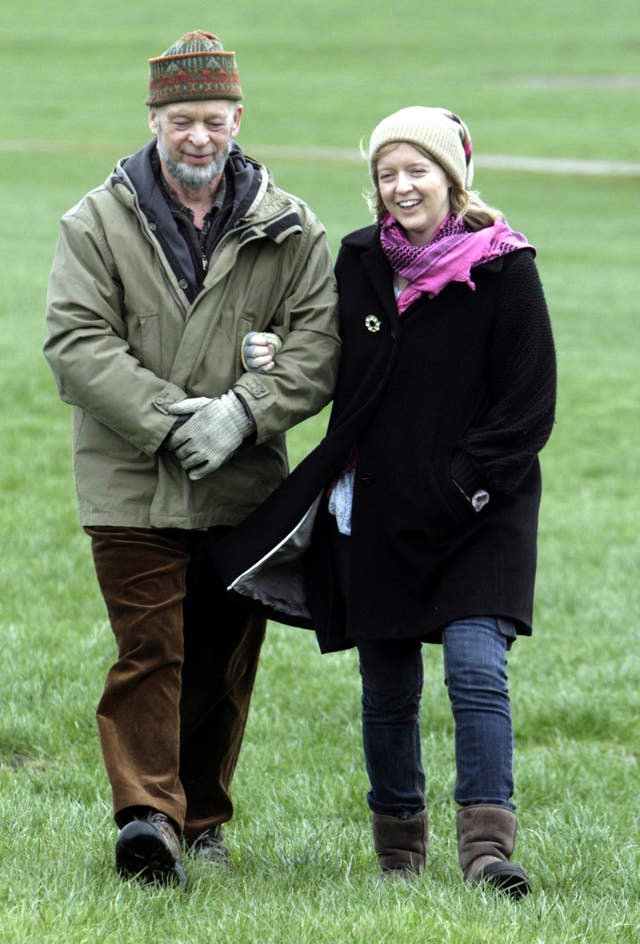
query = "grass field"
{"x": 550, "y": 80}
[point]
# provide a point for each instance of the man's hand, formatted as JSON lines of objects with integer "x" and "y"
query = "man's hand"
{"x": 259, "y": 349}
{"x": 214, "y": 431}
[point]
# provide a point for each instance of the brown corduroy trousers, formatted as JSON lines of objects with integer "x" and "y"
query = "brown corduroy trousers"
{"x": 175, "y": 703}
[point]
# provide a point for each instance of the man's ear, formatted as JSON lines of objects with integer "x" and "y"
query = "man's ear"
{"x": 153, "y": 122}
{"x": 235, "y": 124}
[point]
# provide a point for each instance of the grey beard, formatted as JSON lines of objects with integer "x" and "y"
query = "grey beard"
{"x": 193, "y": 178}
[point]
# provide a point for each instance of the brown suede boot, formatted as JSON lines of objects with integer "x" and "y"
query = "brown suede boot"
{"x": 486, "y": 839}
{"x": 401, "y": 844}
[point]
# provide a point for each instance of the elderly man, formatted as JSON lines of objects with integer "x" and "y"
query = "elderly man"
{"x": 158, "y": 276}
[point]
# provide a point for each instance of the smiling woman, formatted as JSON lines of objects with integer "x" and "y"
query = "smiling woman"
{"x": 414, "y": 189}
{"x": 415, "y": 519}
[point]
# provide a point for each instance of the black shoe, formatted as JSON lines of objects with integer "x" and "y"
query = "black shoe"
{"x": 210, "y": 848}
{"x": 148, "y": 847}
{"x": 509, "y": 877}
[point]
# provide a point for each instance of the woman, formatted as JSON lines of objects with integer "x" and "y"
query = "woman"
{"x": 415, "y": 519}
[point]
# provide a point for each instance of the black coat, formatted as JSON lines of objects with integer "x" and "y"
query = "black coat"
{"x": 460, "y": 387}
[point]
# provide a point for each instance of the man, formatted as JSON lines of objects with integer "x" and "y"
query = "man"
{"x": 158, "y": 276}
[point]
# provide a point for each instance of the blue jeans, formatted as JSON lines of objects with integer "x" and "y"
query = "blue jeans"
{"x": 476, "y": 677}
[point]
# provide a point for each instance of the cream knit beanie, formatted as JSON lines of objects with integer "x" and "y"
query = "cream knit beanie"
{"x": 437, "y": 130}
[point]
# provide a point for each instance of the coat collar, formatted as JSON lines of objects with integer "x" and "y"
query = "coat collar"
{"x": 362, "y": 238}
{"x": 366, "y": 241}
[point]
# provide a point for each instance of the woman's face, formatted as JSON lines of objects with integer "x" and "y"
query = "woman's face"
{"x": 414, "y": 189}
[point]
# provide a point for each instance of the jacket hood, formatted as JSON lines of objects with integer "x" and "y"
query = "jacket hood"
{"x": 254, "y": 189}
{"x": 256, "y": 202}
{"x": 137, "y": 173}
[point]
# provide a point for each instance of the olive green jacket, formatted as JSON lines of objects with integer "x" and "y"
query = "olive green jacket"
{"x": 124, "y": 342}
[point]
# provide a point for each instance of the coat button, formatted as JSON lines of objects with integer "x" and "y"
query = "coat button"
{"x": 367, "y": 478}
{"x": 161, "y": 404}
{"x": 183, "y": 283}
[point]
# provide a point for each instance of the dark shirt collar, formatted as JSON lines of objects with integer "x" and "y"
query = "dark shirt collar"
{"x": 174, "y": 201}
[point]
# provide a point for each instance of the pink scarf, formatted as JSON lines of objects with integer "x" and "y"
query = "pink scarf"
{"x": 449, "y": 257}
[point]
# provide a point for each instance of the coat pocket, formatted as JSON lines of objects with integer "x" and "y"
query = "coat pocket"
{"x": 449, "y": 512}
{"x": 145, "y": 341}
{"x": 245, "y": 325}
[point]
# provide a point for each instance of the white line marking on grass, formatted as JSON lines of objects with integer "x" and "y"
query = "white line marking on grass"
{"x": 533, "y": 165}
{"x": 590, "y": 83}
{"x": 537, "y": 165}
{"x": 559, "y": 165}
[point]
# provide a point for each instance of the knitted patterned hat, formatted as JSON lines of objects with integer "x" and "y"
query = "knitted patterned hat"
{"x": 437, "y": 130}
{"x": 195, "y": 68}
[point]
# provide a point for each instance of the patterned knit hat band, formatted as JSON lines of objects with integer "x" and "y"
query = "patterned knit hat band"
{"x": 195, "y": 68}
{"x": 438, "y": 131}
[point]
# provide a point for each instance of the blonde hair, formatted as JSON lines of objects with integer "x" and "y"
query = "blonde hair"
{"x": 466, "y": 204}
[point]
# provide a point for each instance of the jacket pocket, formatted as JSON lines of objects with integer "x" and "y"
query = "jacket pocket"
{"x": 146, "y": 343}
{"x": 278, "y": 321}
{"x": 449, "y": 511}
{"x": 245, "y": 325}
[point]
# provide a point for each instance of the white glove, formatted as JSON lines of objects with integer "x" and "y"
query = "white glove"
{"x": 215, "y": 430}
{"x": 258, "y": 351}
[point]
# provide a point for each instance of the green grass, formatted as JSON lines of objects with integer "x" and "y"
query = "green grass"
{"x": 529, "y": 81}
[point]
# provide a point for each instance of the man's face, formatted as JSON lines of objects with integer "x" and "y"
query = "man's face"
{"x": 194, "y": 139}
